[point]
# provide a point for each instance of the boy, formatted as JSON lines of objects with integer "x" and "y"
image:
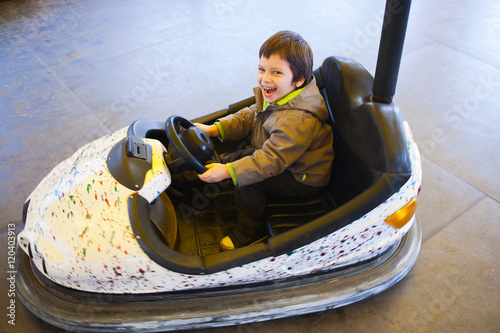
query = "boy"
{"x": 293, "y": 150}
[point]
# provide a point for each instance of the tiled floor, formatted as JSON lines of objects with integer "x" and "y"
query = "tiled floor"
{"x": 73, "y": 71}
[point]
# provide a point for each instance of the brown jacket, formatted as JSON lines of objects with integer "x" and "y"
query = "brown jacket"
{"x": 292, "y": 136}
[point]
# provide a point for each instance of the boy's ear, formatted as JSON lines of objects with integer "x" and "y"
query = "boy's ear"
{"x": 299, "y": 83}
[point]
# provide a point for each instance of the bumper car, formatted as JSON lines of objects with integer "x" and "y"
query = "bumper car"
{"x": 109, "y": 244}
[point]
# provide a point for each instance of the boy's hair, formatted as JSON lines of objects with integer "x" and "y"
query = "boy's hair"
{"x": 292, "y": 48}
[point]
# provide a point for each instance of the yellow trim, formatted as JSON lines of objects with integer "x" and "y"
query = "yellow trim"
{"x": 232, "y": 172}
{"x": 222, "y": 133}
{"x": 285, "y": 99}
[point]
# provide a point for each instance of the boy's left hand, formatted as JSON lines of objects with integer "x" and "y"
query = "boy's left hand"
{"x": 211, "y": 130}
{"x": 216, "y": 172}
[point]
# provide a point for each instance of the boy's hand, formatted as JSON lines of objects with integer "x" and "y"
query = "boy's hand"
{"x": 210, "y": 130}
{"x": 216, "y": 172}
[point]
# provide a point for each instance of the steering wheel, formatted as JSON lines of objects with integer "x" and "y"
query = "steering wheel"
{"x": 192, "y": 144}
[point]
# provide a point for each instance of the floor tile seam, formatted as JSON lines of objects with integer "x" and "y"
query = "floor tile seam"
{"x": 188, "y": 14}
{"x": 434, "y": 42}
{"x": 6, "y": 229}
{"x": 236, "y": 43}
{"x": 471, "y": 56}
{"x": 21, "y": 39}
{"x": 207, "y": 26}
{"x": 63, "y": 83}
{"x": 102, "y": 60}
{"x": 458, "y": 216}
{"x": 167, "y": 40}
{"x": 83, "y": 103}
{"x": 245, "y": 48}
{"x": 114, "y": 57}
{"x": 56, "y": 75}
{"x": 454, "y": 49}
{"x": 429, "y": 42}
{"x": 451, "y": 173}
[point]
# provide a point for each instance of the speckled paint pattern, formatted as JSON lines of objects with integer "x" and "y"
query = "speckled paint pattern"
{"x": 80, "y": 235}
{"x": 78, "y": 226}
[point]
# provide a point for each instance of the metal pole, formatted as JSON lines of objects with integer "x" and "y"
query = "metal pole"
{"x": 390, "y": 49}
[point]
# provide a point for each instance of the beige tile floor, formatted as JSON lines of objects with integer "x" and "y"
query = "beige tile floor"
{"x": 73, "y": 71}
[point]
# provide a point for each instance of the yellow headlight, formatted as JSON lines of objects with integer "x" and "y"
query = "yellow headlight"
{"x": 402, "y": 216}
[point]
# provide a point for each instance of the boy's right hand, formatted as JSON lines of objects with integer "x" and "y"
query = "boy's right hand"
{"x": 210, "y": 130}
{"x": 216, "y": 172}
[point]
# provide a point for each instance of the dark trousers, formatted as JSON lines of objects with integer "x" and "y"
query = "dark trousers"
{"x": 251, "y": 199}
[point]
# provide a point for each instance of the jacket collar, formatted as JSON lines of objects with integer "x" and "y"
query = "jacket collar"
{"x": 291, "y": 100}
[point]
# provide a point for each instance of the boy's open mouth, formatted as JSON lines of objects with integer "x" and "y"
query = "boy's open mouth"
{"x": 268, "y": 91}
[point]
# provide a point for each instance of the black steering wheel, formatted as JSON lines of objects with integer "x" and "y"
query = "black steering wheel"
{"x": 192, "y": 144}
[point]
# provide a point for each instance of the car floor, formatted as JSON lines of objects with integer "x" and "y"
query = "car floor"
{"x": 74, "y": 71}
{"x": 204, "y": 220}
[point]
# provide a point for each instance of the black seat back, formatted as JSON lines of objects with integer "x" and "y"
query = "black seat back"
{"x": 369, "y": 137}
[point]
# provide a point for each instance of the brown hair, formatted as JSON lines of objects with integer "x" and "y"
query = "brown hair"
{"x": 292, "y": 48}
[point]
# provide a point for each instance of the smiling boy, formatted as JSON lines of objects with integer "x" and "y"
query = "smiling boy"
{"x": 292, "y": 154}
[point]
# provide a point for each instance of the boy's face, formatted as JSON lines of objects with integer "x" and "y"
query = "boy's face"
{"x": 275, "y": 78}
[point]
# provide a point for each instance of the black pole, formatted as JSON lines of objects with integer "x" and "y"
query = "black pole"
{"x": 390, "y": 49}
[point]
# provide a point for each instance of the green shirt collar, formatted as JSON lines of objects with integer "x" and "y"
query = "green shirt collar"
{"x": 285, "y": 99}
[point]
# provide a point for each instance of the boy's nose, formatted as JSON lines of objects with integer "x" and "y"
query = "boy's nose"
{"x": 266, "y": 78}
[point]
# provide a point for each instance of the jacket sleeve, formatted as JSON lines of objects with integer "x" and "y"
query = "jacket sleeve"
{"x": 287, "y": 142}
{"x": 238, "y": 125}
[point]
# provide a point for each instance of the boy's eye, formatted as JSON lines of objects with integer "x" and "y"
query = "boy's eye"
{"x": 277, "y": 72}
